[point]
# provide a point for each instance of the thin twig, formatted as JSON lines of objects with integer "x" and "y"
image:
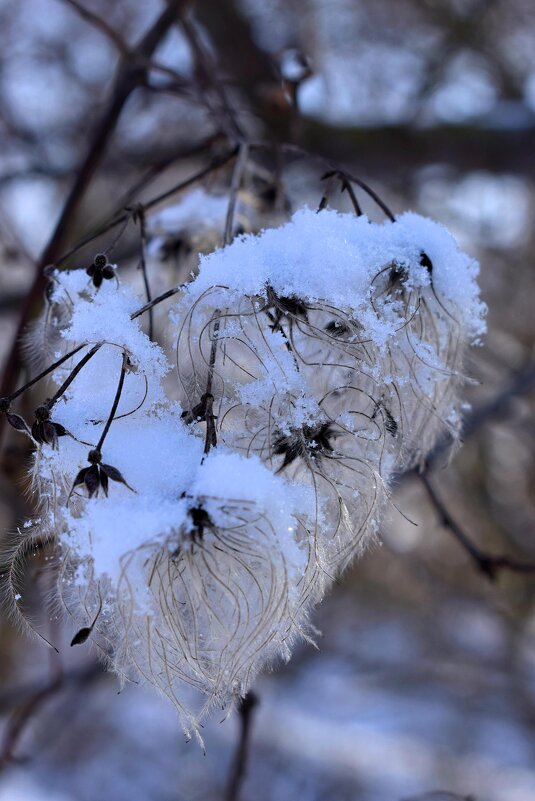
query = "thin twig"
{"x": 488, "y": 564}
{"x": 346, "y": 177}
{"x": 523, "y": 383}
{"x": 113, "y": 244}
{"x": 100, "y": 24}
{"x": 330, "y": 178}
{"x": 239, "y": 763}
{"x": 215, "y": 164}
{"x": 183, "y": 153}
{"x": 346, "y": 187}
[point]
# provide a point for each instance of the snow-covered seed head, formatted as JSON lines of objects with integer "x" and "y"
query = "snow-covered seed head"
{"x": 313, "y": 362}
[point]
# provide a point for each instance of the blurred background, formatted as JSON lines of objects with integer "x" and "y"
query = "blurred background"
{"x": 425, "y": 676}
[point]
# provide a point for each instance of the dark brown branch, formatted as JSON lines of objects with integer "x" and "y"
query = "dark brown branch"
{"x": 347, "y": 179}
{"x": 182, "y": 153}
{"x": 210, "y": 439}
{"x": 239, "y": 763}
{"x": 100, "y": 24}
{"x": 128, "y": 78}
{"x": 400, "y": 150}
{"x": 488, "y": 564}
{"x": 523, "y": 383}
{"x": 12, "y": 697}
{"x": 334, "y": 171}
{"x": 346, "y": 187}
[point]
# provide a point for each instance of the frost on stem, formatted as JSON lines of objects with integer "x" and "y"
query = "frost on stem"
{"x": 313, "y": 361}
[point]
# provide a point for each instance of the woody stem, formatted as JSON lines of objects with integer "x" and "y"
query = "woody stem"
{"x": 115, "y": 404}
